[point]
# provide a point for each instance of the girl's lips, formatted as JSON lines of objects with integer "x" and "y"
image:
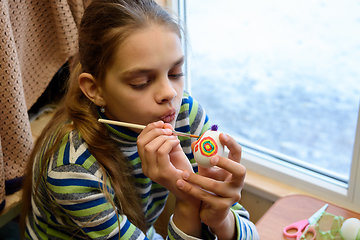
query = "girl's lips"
{"x": 169, "y": 117}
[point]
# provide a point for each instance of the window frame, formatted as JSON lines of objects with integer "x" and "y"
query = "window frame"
{"x": 306, "y": 180}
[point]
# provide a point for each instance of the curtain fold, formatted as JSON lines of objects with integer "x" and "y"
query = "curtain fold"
{"x": 37, "y": 38}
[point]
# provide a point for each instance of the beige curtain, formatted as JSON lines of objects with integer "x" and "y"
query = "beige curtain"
{"x": 37, "y": 38}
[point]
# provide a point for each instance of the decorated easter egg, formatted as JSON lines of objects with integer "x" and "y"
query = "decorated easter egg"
{"x": 350, "y": 229}
{"x": 206, "y": 146}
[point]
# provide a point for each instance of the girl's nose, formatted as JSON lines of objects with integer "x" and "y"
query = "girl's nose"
{"x": 165, "y": 92}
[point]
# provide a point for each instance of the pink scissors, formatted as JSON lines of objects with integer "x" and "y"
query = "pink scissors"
{"x": 303, "y": 225}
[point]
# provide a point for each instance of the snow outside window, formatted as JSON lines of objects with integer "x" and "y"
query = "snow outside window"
{"x": 283, "y": 78}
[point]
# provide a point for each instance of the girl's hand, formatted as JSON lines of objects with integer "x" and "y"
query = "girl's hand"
{"x": 162, "y": 157}
{"x": 163, "y": 161}
{"x": 218, "y": 188}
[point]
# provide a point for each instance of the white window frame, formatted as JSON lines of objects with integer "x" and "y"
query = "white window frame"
{"x": 308, "y": 181}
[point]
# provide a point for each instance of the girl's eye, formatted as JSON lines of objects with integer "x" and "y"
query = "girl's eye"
{"x": 146, "y": 83}
{"x": 139, "y": 86}
{"x": 176, "y": 76}
{"x": 141, "y": 82}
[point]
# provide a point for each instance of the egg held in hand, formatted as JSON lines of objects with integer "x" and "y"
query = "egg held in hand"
{"x": 350, "y": 229}
{"x": 207, "y": 146}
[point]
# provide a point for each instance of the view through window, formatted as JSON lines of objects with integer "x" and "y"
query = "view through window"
{"x": 281, "y": 76}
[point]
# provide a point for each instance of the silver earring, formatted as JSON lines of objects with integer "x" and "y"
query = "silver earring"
{"x": 102, "y": 109}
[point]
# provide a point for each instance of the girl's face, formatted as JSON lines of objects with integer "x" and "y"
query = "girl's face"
{"x": 145, "y": 83}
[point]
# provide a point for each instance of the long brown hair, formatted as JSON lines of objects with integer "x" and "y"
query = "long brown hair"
{"x": 104, "y": 26}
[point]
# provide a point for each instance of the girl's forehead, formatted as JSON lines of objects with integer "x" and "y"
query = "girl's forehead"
{"x": 151, "y": 46}
{"x": 151, "y": 32}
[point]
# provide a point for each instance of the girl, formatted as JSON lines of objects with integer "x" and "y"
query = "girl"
{"x": 88, "y": 180}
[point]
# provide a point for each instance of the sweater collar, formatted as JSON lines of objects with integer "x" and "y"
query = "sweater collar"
{"x": 120, "y": 134}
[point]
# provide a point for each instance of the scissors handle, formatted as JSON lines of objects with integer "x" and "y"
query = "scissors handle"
{"x": 298, "y": 226}
{"x": 309, "y": 231}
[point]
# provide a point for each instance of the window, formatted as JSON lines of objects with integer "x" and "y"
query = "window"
{"x": 284, "y": 80}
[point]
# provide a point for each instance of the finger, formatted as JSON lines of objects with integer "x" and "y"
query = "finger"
{"x": 157, "y": 160}
{"x": 237, "y": 170}
{"x": 150, "y": 126}
{"x": 169, "y": 126}
{"x": 194, "y": 190}
{"x": 156, "y": 139}
{"x": 144, "y": 137}
{"x": 207, "y": 184}
{"x": 148, "y": 145}
{"x": 234, "y": 148}
{"x": 163, "y": 167}
{"x": 147, "y": 137}
{"x": 151, "y": 131}
{"x": 231, "y": 186}
{"x": 206, "y": 196}
{"x": 156, "y": 146}
{"x": 164, "y": 150}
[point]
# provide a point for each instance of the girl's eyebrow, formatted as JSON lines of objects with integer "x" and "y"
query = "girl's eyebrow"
{"x": 180, "y": 61}
{"x": 135, "y": 71}
{"x": 139, "y": 71}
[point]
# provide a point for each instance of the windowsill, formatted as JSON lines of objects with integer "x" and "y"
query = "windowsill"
{"x": 272, "y": 181}
{"x": 268, "y": 188}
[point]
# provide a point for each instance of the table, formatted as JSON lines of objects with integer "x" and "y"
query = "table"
{"x": 291, "y": 209}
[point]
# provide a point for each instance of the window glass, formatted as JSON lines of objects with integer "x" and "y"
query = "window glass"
{"x": 281, "y": 76}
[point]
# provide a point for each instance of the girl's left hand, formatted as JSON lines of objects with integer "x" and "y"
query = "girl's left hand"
{"x": 218, "y": 188}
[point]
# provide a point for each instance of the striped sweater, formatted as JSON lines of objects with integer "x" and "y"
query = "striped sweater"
{"x": 70, "y": 202}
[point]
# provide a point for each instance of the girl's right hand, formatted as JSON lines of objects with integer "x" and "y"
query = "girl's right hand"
{"x": 164, "y": 161}
{"x": 161, "y": 156}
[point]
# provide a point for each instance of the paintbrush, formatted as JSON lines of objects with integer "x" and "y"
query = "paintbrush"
{"x": 138, "y": 126}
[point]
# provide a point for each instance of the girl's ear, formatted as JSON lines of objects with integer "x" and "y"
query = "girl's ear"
{"x": 91, "y": 89}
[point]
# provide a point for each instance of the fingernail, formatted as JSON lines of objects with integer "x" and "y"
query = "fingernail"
{"x": 185, "y": 175}
{"x": 180, "y": 184}
{"x": 226, "y": 137}
{"x": 214, "y": 160}
{"x": 167, "y": 131}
